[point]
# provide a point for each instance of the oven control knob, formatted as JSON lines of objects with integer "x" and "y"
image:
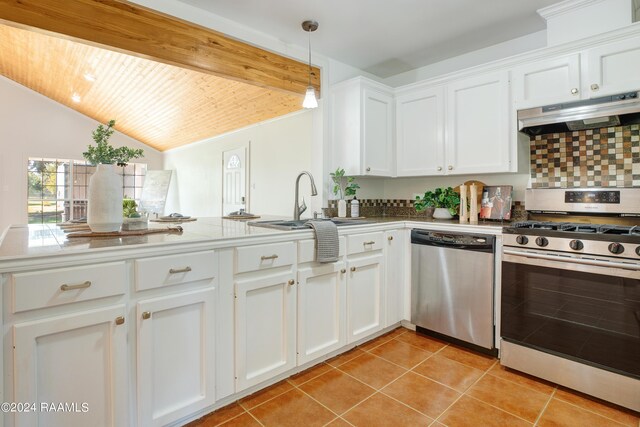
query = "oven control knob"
{"x": 576, "y": 245}
{"x": 522, "y": 240}
{"x": 638, "y": 251}
{"x": 542, "y": 241}
{"x": 616, "y": 248}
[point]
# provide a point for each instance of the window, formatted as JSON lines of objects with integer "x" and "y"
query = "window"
{"x": 53, "y": 197}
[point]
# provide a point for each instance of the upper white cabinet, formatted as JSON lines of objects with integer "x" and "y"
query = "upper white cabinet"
{"x": 362, "y": 128}
{"x": 547, "y": 82}
{"x": 477, "y": 139}
{"x": 600, "y": 71}
{"x": 420, "y": 132}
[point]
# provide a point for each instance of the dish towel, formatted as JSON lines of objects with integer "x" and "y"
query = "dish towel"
{"x": 327, "y": 245}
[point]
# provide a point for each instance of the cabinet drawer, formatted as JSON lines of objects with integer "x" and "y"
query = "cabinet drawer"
{"x": 307, "y": 249}
{"x": 261, "y": 257}
{"x": 169, "y": 270}
{"x": 368, "y": 242}
{"x": 48, "y": 288}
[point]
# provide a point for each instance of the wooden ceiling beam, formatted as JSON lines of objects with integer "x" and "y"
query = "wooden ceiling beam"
{"x": 133, "y": 29}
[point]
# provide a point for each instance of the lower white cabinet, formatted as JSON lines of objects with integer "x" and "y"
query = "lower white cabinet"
{"x": 395, "y": 276}
{"x": 322, "y": 296}
{"x": 364, "y": 296}
{"x": 175, "y": 363}
{"x": 265, "y": 321}
{"x": 78, "y": 360}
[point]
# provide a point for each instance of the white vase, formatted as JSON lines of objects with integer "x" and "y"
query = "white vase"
{"x": 104, "y": 212}
{"x": 342, "y": 208}
{"x": 442, "y": 213}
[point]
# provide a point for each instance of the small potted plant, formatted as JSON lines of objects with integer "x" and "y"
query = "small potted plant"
{"x": 104, "y": 212}
{"x": 343, "y": 186}
{"x": 444, "y": 200}
{"x": 132, "y": 219}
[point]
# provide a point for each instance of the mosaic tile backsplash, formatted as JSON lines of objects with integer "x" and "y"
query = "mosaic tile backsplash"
{"x": 606, "y": 157}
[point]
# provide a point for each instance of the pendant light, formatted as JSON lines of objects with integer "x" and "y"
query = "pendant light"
{"x": 310, "y": 100}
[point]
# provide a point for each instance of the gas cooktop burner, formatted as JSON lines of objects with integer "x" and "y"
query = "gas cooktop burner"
{"x": 578, "y": 227}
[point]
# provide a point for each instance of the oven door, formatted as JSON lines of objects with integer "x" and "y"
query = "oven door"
{"x": 587, "y": 310}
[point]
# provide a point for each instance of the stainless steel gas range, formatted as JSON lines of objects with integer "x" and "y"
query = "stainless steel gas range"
{"x": 570, "y": 298}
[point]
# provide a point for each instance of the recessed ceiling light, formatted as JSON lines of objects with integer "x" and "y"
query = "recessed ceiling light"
{"x": 76, "y": 97}
{"x": 89, "y": 77}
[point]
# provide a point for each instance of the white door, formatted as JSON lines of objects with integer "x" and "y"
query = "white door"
{"x": 377, "y": 133}
{"x": 394, "y": 262}
{"x": 364, "y": 297}
{"x": 175, "y": 356}
{"x": 478, "y": 125}
{"x": 420, "y": 133}
{"x": 78, "y": 359}
{"x": 265, "y": 328}
{"x": 234, "y": 179}
{"x": 613, "y": 68}
{"x": 322, "y": 295}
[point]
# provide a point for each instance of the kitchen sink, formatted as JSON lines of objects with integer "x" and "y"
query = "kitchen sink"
{"x": 302, "y": 223}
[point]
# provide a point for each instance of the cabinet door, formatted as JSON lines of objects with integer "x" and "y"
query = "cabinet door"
{"x": 420, "y": 133}
{"x": 394, "y": 261}
{"x": 377, "y": 128}
{"x": 79, "y": 360}
{"x": 613, "y": 68}
{"x": 364, "y": 297}
{"x": 547, "y": 82}
{"x": 265, "y": 328}
{"x": 175, "y": 356}
{"x": 478, "y": 125}
{"x": 322, "y": 296}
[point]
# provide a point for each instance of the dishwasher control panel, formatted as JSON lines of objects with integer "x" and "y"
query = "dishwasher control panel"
{"x": 461, "y": 240}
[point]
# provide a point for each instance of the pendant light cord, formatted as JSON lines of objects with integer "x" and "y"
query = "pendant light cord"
{"x": 309, "y": 32}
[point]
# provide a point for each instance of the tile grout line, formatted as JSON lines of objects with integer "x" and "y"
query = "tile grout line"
{"x": 590, "y": 411}
{"x": 544, "y": 408}
{"x": 255, "y": 418}
{"x": 229, "y": 419}
{"x": 499, "y": 409}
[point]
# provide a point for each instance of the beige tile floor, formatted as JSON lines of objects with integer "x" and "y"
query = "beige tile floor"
{"x": 404, "y": 379}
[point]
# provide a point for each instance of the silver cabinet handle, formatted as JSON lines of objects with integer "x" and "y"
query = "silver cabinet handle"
{"x": 146, "y": 315}
{"x": 450, "y": 167}
{"x": 574, "y": 91}
{"x": 353, "y": 269}
{"x": 368, "y": 169}
{"x": 369, "y": 243}
{"x": 291, "y": 282}
{"x": 266, "y": 257}
{"x": 439, "y": 168}
{"x": 82, "y": 285}
{"x": 390, "y": 238}
{"x": 179, "y": 270}
{"x": 595, "y": 87}
{"x": 119, "y": 320}
{"x": 344, "y": 270}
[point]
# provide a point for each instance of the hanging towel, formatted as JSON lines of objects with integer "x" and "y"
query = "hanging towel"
{"x": 327, "y": 245}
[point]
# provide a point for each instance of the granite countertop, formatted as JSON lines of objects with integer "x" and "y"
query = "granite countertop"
{"x": 36, "y": 240}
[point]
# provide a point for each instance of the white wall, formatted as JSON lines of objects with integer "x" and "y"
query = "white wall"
{"x": 32, "y": 125}
{"x": 279, "y": 150}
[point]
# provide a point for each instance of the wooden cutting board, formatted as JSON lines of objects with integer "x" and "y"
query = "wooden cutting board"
{"x": 112, "y": 234}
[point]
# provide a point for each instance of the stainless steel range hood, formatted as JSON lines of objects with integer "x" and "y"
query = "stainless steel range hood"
{"x": 615, "y": 110}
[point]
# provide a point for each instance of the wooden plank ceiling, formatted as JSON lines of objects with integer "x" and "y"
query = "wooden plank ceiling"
{"x": 165, "y": 81}
{"x": 161, "y": 105}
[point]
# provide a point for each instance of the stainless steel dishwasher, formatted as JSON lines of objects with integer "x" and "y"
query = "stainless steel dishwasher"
{"x": 452, "y": 277}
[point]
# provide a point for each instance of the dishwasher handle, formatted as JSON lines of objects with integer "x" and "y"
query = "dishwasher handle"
{"x": 468, "y": 242}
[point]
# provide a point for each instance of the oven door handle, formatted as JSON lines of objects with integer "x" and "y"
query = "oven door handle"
{"x": 572, "y": 263}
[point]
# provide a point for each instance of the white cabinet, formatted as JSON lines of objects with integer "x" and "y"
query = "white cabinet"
{"x": 362, "y": 127}
{"x": 176, "y": 356}
{"x": 364, "y": 296}
{"x": 78, "y": 359}
{"x": 265, "y": 321}
{"x": 395, "y": 257}
{"x": 420, "y": 132}
{"x": 603, "y": 70}
{"x": 322, "y": 296}
{"x": 477, "y": 138}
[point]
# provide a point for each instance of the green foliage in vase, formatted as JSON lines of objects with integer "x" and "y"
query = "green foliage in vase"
{"x": 129, "y": 208}
{"x": 103, "y": 153}
{"x": 343, "y": 186}
{"x": 439, "y": 198}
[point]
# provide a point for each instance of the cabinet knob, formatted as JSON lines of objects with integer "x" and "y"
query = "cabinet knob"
{"x": 390, "y": 238}
{"x": 368, "y": 169}
{"x": 344, "y": 270}
{"x": 291, "y": 282}
{"x": 595, "y": 86}
{"x": 119, "y": 320}
{"x": 146, "y": 315}
{"x": 353, "y": 269}
{"x": 574, "y": 91}
{"x": 450, "y": 167}
{"x": 439, "y": 168}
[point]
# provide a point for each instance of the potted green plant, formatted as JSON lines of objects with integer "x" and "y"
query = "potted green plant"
{"x": 343, "y": 186}
{"x": 104, "y": 213}
{"x": 444, "y": 200}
